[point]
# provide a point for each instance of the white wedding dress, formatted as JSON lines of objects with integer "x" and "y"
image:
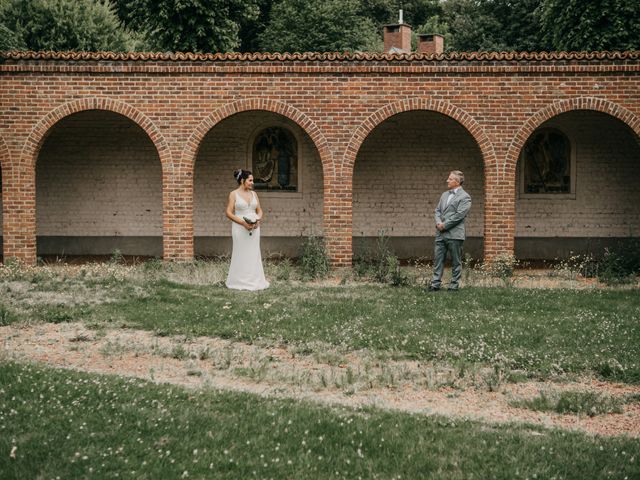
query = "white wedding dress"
{"x": 245, "y": 271}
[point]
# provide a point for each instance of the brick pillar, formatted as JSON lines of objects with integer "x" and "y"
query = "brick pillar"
{"x": 499, "y": 216}
{"x": 177, "y": 213}
{"x": 19, "y": 213}
{"x": 338, "y": 208}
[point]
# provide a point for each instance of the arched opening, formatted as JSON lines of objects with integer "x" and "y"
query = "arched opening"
{"x": 399, "y": 175}
{"x": 597, "y": 204}
{"x": 292, "y": 207}
{"x": 98, "y": 188}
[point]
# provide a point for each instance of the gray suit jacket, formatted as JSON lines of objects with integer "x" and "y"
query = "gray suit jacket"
{"x": 453, "y": 215}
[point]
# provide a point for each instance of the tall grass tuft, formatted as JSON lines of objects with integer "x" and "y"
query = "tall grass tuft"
{"x": 314, "y": 261}
{"x": 572, "y": 402}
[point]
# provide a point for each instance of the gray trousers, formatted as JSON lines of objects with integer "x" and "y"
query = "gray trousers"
{"x": 454, "y": 247}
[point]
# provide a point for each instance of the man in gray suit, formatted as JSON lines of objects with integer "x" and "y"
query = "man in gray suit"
{"x": 451, "y": 211}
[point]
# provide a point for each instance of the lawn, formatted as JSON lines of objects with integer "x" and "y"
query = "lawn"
{"x": 58, "y": 423}
{"x": 62, "y": 424}
{"x": 541, "y": 332}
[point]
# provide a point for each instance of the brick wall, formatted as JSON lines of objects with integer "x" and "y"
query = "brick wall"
{"x": 400, "y": 173}
{"x": 606, "y": 200}
{"x": 98, "y": 174}
{"x": 227, "y": 147}
{"x": 337, "y": 100}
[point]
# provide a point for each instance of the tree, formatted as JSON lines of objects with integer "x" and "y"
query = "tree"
{"x": 492, "y": 25}
{"x": 188, "y": 25}
{"x": 61, "y": 25}
{"x": 251, "y": 29}
{"x": 414, "y": 12}
{"x": 319, "y": 25}
{"x": 519, "y": 24}
{"x": 471, "y": 26}
{"x": 591, "y": 24}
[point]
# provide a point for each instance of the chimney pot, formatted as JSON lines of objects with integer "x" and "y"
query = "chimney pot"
{"x": 430, "y": 43}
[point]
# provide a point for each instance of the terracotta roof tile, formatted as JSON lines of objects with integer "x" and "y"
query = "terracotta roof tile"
{"x": 318, "y": 57}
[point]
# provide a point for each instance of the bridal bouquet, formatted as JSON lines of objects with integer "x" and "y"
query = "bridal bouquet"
{"x": 250, "y": 221}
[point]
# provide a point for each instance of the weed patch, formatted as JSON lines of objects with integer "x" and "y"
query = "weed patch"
{"x": 572, "y": 402}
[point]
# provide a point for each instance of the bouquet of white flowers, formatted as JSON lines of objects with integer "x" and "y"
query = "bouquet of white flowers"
{"x": 250, "y": 221}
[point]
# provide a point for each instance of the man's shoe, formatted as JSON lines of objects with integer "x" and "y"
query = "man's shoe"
{"x": 431, "y": 288}
{"x": 452, "y": 289}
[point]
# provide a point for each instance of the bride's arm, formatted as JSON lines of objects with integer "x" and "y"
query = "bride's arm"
{"x": 231, "y": 205}
{"x": 259, "y": 211}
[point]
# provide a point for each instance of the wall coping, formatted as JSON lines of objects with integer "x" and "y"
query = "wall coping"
{"x": 321, "y": 57}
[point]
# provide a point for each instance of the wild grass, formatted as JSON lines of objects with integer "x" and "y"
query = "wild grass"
{"x": 540, "y": 333}
{"x": 63, "y": 424}
{"x": 573, "y": 402}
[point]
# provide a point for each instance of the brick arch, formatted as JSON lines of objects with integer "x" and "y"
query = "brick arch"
{"x": 39, "y": 133}
{"x": 412, "y": 104}
{"x": 4, "y": 155}
{"x": 557, "y": 108}
{"x": 310, "y": 128}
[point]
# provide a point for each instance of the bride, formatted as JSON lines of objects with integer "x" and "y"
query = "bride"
{"x": 243, "y": 209}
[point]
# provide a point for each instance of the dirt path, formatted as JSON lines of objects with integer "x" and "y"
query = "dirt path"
{"x": 326, "y": 376}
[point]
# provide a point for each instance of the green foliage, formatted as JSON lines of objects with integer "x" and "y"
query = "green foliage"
{"x": 319, "y": 25}
{"x": 591, "y": 24}
{"x": 7, "y": 316}
{"x": 620, "y": 264}
{"x": 415, "y": 12}
{"x": 285, "y": 269}
{"x": 397, "y": 277}
{"x": 381, "y": 263}
{"x": 314, "y": 260}
{"x": 62, "y": 25}
{"x": 585, "y": 265}
{"x": 492, "y": 25}
{"x": 188, "y": 25}
{"x": 116, "y": 257}
{"x": 572, "y": 402}
{"x": 251, "y": 29}
{"x": 10, "y": 40}
{"x": 379, "y": 258}
{"x": 502, "y": 266}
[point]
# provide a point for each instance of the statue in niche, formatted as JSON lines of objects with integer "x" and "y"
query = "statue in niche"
{"x": 547, "y": 162}
{"x": 275, "y": 160}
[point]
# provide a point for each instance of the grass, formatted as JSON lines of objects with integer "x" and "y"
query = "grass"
{"x": 63, "y": 424}
{"x": 572, "y": 402}
{"x": 540, "y": 332}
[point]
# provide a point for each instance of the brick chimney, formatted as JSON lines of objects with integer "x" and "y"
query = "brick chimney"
{"x": 430, "y": 43}
{"x": 397, "y": 38}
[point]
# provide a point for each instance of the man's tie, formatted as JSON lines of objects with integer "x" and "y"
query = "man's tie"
{"x": 451, "y": 194}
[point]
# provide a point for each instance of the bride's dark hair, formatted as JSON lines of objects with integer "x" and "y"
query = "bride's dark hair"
{"x": 241, "y": 175}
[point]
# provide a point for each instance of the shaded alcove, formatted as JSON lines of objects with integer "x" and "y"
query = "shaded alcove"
{"x": 289, "y": 215}
{"x": 400, "y": 173}
{"x": 602, "y": 207}
{"x": 98, "y": 188}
